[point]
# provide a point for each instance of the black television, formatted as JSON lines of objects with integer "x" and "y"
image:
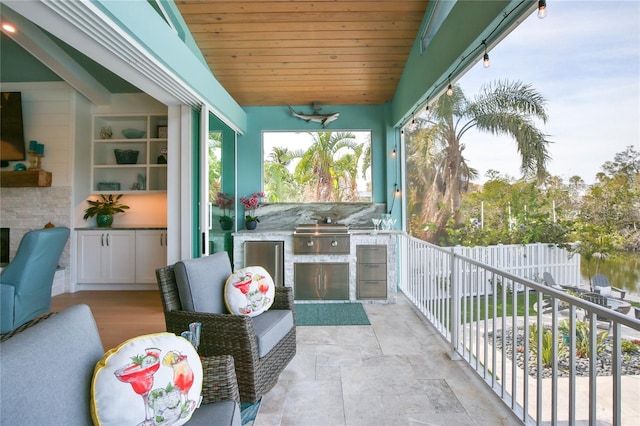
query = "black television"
{"x": 12, "y": 145}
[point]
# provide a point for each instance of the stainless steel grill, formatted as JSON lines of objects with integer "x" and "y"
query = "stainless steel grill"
{"x": 321, "y": 239}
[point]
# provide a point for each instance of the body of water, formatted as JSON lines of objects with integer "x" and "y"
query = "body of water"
{"x": 623, "y": 271}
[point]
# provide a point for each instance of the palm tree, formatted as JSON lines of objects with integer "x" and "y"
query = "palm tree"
{"x": 316, "y": 166}
{"x": 279, "y": 183}
{"x": 346, "y": 168}
{"x": 502, "y": 108}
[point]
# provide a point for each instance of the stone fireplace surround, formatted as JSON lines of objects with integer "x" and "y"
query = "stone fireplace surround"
{"x": 25, "y": 209}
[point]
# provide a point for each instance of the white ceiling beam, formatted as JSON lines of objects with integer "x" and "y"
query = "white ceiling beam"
{"x": 36, "y": 42}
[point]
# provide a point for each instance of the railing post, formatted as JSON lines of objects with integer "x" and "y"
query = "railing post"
{"x": 454, "y": 319}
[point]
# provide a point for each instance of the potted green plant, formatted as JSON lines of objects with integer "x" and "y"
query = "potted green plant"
{"x": 104, "y": 208}
{"x": 225, "y": 202}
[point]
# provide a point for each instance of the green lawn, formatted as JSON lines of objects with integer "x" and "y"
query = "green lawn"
{"x": 472, "y": 303}
{"x": 509, "y": 308}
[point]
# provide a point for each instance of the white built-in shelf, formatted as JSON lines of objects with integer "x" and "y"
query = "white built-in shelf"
{"x": 146, "y": 175}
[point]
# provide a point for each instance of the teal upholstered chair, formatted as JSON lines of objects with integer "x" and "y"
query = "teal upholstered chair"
{"x": 25, "y": 284}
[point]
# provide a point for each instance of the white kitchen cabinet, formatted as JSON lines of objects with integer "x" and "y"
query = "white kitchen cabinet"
{"x": 145, "y": 173}
{"x": 106, "y": 256}
{"x": 151, "y": 254}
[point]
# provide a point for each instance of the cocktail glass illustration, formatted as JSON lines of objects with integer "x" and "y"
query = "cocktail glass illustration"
{"x": 182, "y": 376}
{"x": 139, "y": 374}
{"x": 243, "y": 285}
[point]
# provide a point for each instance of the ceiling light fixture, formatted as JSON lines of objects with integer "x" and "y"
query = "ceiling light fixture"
{"x": 542, "y": 9}
{"x": 450, "y": 90}
{"x": 8, "y": 27}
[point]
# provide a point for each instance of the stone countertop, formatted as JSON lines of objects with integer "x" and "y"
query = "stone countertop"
{"x": 276, "y": 232}
{"x": 123, "y": 228}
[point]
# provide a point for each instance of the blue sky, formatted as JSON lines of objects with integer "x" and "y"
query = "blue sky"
{"x": 584, "y": 58}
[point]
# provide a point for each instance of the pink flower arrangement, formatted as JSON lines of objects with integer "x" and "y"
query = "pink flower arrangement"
{"x": 251, "y": 204}
{"x": 225, "y": 202}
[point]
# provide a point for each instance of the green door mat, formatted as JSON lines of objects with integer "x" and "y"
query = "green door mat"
{"x": 331, "y": 314}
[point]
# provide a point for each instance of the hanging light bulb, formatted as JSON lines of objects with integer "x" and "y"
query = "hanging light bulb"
{"x": 393, "y": 153}
{"x": 485, "y": 60}
{"x": 427, "y": 111}
{"x": 450, "y": 90}
{"x": 542, "y": 9}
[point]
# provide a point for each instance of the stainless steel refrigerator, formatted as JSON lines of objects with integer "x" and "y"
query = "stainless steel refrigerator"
{"x": 269, "y": 255}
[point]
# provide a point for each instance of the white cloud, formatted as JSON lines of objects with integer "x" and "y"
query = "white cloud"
{"x": 585, "y": 60}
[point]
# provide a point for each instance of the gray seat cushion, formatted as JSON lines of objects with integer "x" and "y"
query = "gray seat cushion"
{"x": 201, "y": 283}
{"x": 271, "y": 326}
{"x": 46, "y": 370}
{"x": 220, "y": 413}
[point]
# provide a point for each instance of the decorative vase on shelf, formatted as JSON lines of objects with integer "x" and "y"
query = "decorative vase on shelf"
{"x": 226, "y": 223}
{"x": 104, "y": 220}
{"x": 251, "y": 224}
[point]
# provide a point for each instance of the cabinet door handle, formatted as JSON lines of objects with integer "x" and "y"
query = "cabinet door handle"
{"x": 102, "y": 240}
{"x": 108, "y": 242}
{"x": 160, "y": 240}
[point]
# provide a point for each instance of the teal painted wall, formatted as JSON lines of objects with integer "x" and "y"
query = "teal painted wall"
{"x": 352, "y": 117}
{"x": 143, "y": 23}
{"x": 17, "y": 65}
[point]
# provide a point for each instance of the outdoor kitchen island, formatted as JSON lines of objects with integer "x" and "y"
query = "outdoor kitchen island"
{"x": 362, "y": 267}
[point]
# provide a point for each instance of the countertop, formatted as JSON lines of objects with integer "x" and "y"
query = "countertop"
{"x": 123, "y": 228}
{"x": 291, "y": 231}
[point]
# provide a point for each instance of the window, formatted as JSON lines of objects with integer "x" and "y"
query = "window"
{"x": 326, "y": 166}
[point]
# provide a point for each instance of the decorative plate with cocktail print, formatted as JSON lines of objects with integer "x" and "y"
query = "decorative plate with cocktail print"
{"x": 249, "y": 291}
{"x": 151, "y": 380}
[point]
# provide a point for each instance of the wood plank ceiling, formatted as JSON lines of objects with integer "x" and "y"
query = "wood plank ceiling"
{"x": 297, "y": 52}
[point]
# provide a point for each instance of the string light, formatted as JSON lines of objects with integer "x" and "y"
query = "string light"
{"x": 542, "y": 12}
{"x": 542, "y": 9}
{"x": 486, "y": 56}
{"x": 427, "y": 111}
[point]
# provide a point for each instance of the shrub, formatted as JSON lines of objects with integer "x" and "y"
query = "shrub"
{"x": 547, "y": 344}
{"x": 583, "y": 336}
{"x": 629, "y": 346}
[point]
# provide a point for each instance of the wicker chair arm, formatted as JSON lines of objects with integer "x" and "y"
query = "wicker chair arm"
{"x": 219, "y": 379}
{"x": 220, "y": 334}
{"x": 283, "y": 299}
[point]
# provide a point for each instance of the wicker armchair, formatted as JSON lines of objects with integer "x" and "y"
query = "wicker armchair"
{"x": 225, "y": 334}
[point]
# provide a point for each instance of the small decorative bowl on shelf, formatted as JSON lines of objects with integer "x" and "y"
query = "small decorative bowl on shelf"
{"x": 126, "y": 156}
{"x": 133, "y": 133}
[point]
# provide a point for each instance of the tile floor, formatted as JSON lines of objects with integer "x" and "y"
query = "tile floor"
{"x": 395, "y": 372}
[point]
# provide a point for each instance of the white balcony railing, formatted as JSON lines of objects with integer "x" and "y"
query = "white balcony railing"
{"x": 491, "y": 315}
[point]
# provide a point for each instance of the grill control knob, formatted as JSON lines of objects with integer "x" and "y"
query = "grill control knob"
{"x": 309, "y": 243}
{"x": 334, "y": 243}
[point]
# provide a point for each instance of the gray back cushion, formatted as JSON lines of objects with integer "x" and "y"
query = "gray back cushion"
{"x": 201, "y": 283}
{"x": 47, "y": 369}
